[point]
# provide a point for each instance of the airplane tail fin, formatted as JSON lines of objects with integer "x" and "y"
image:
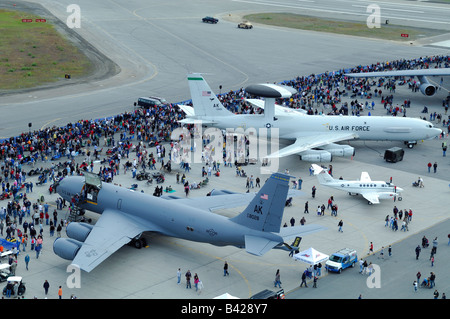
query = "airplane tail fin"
{"x": 203, "y": 98}
{"x": 265, "y": 211}
{"x": 322, "y": 174}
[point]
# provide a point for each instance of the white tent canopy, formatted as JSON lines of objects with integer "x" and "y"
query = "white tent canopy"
{"x": 311, "y": 256}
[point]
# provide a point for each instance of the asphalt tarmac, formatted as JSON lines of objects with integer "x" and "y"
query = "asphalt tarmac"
{"x": 150, "y": 273}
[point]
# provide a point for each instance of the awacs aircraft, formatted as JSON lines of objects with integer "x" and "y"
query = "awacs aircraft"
{"x": 314, "y": 136}
{"x": 373, "y": 191}
{"x": 126, "y": 214}
{"x": 425, "y": 86}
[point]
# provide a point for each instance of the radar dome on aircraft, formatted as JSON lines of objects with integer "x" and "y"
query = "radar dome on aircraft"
{"x": 271, "y": 90}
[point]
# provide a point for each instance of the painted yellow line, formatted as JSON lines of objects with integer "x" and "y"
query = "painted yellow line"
{"x": 45, "y": 124}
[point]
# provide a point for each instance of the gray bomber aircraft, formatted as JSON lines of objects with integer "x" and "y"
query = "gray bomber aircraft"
{"x": 314, "y": 136}
{"x": 126, "y": 214}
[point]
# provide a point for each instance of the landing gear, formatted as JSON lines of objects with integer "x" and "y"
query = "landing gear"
{"x": 410, "y": 144}
{"x": 138, "y": 242}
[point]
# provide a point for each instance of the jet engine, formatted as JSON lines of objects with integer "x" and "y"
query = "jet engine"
{"x": 339, "y": 150}
{"x": 315, "y": 156}
{"x": 386, "y": 195}
{"x": 425, "y": 87}
{"x": 78, "y": 231}
{"x": 66, "y": 248}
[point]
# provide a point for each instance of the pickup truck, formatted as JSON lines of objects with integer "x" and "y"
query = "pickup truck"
{"x": 341, "y": 259}
{"x": 245, "y": 25}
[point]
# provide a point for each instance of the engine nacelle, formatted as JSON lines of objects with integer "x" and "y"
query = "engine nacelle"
{"x": 339, "y": 150}
{"x": 389, "y": 195}
{"x": 427, "y": 89}
{"x": 315, "y": 156}
{"x": 78, "y": 231}
{"x": 66, "y": 248}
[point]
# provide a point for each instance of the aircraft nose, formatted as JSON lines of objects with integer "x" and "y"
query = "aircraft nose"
{"x": 59, "y": 185}
{"x": 433, "y": 132}
{"x": 64, "y": 188}
{"x": 399, "y": 189}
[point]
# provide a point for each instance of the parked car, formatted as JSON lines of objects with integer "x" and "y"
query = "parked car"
{"x": 342, "y": 259}
{"x": 210, "y": 20}
{"x": 245, "y": 25}
{"x": 269, "y": 294}
{"x": 147, "y": 102}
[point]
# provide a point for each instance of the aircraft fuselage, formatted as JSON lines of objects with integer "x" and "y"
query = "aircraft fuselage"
{"x": 356, "y": 187}
{"x": 165, "y": 216}
{"x": 366, "y": 127}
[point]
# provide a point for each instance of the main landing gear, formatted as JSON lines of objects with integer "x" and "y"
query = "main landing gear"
{"x": 410, "y": 144}
{"x": 138, "y": 242}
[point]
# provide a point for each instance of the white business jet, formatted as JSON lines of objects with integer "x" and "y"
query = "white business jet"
{"x": 373, "y": 191}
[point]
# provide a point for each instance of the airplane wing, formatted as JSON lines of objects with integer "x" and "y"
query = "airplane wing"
{"x": 258, "y": 246}
{"x": 194, "y": 120}
{"x": 190, "y": 116}
{"x": 113, "y": 230}
{"x": 303, "y": 143}
{"x": 365, "y": 177}
{"x": 225, "y": 201}
{"x": 371, "y": 197}
{"x": 279, "y": 110}
{"x": 213, "y": 203}
{"x": 420, "y": 72}
{"x": 291, "y": 232}
{"x": 188, "y": 110}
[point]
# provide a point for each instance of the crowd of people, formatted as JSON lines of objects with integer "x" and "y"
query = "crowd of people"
{"x": 323, "y": 93}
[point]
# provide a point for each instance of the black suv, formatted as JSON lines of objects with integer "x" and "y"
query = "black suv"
{"x": 269, "y": 294}
{"x": 210, "y": 20}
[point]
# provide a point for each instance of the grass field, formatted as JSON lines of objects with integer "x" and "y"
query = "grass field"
{"x": 387, "y": 31}
{"x": 34, "y": 53}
